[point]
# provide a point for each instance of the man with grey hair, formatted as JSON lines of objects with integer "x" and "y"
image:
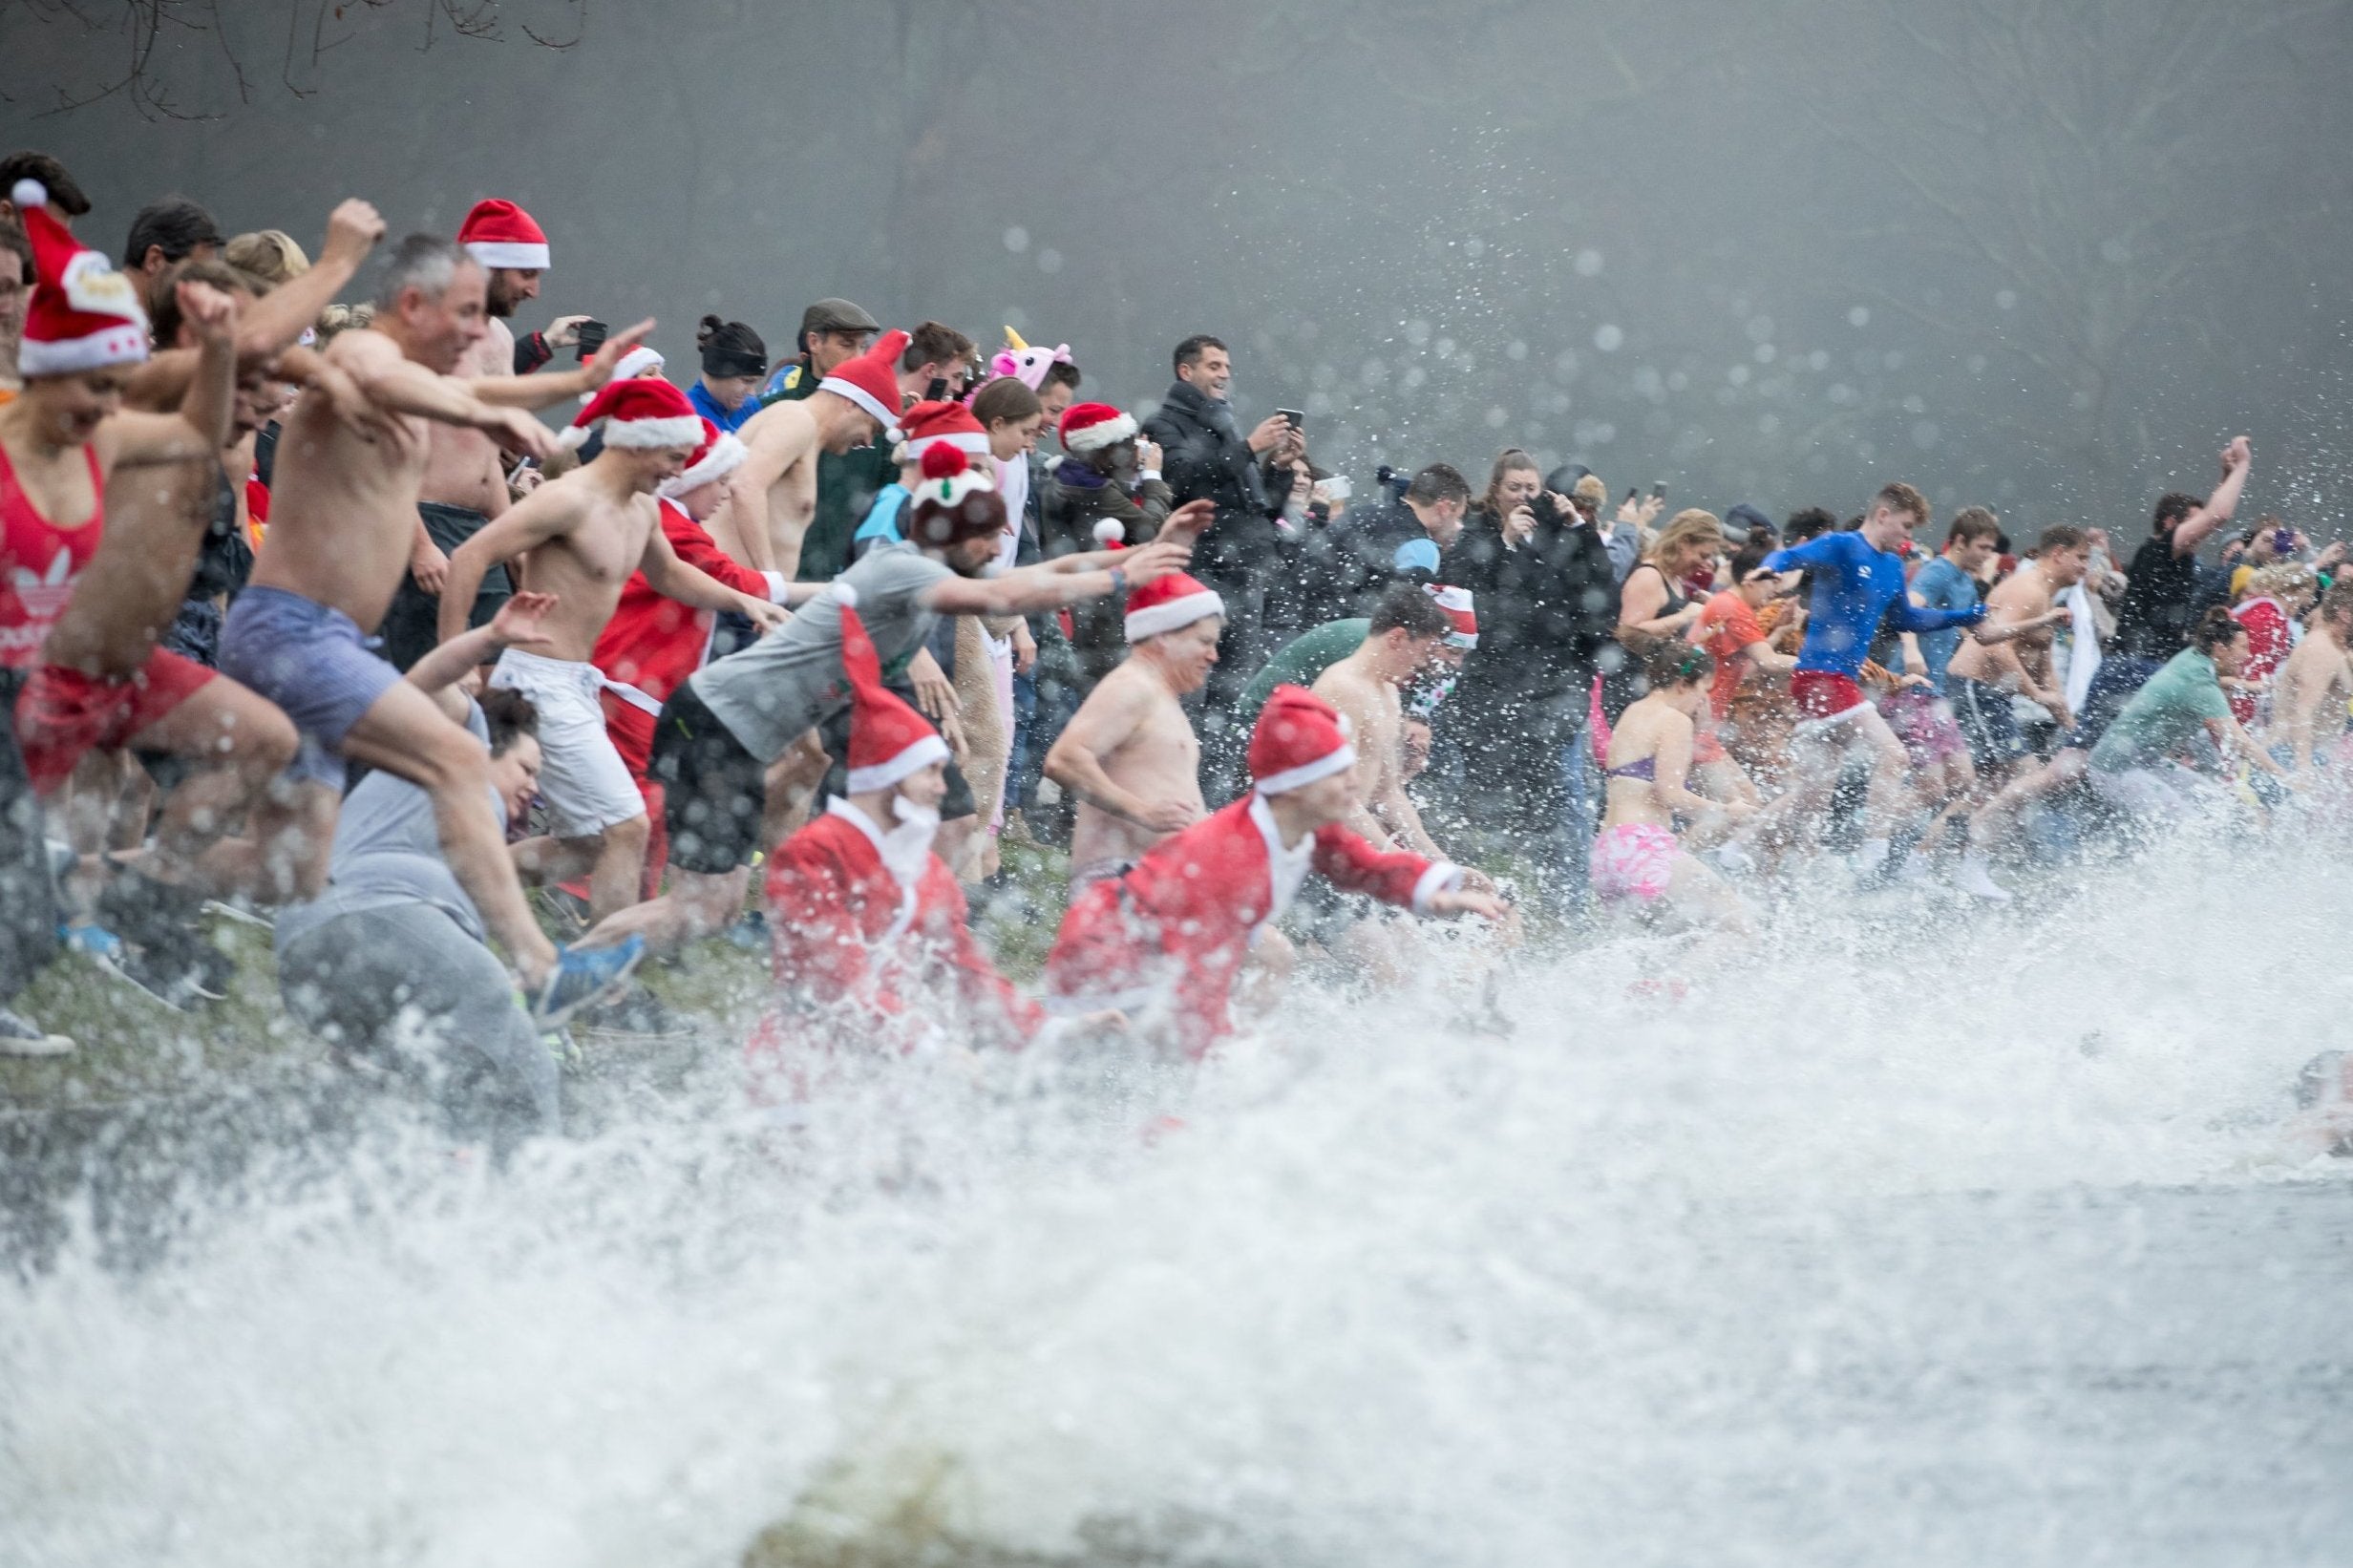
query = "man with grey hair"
{"x": 343, "y": 513}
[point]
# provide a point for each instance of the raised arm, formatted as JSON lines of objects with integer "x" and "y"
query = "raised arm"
{"x": 516, "y": 624}
{"x": 399, "y": 385}
{"x": 2192, "y": 530}
{"x": 201, "y": 429}
{"x": 1105, "y": 722}
{"x": 279, "y": 318}
{"x": 544, "y": 390}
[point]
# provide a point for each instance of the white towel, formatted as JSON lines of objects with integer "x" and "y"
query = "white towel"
{"x": 2083, "y": 645}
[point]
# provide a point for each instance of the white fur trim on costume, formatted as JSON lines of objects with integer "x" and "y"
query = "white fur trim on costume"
{"x": 725, "y": 455}
{"x": 1442, "y": 877}
{"x": 511, "y": 254}
{"x": 1175, "y": 613}
{"x": 646, "y": 435}
{"x": 631, "y": 363}
{"x": 123, "y": 345}
{"x": 1307, "y": 772}
{"x": 881, "y": 776}
{"x": 779, "y": 586}
{"x": 866, "y": 400}
{"x": 845, "y": 595}
{"x": 1107, "y": 433}
{"x": 972, "y": 443}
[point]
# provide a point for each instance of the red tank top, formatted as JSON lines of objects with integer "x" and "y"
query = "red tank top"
{"x": 39, "y": 561}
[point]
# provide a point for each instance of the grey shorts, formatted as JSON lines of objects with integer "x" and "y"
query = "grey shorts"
{"x": 314, "y": 664}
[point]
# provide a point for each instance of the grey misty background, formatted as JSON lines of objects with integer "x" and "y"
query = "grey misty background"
{"x": 2043, "y": 255}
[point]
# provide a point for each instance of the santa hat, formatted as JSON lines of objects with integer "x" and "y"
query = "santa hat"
{"x": 943, "y": 423}
{"x": 871, "y": 381}
{"x": 1110, "y": 532}
{"x": 888, "y": 740}
{"x": 1456, "y": 602}
{"x": 1090, "y": 427}
{"x": 633, "y": 364}
{"x": 643, "y": 414}
{"x": 1299, "y": 738}
{"x": 499, "y": 234}
{"x": 1167, "y": 602}
{"x": 720, "y": 455}
{"x": 84, "y": 315}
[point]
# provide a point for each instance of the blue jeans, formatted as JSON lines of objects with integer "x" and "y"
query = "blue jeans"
{"x": 1573, "y": 835}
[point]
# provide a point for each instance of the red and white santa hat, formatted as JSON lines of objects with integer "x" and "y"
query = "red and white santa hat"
{"x": 1090, "y": 427}
{"x": 1299, "y": 738}
{"x": 720, "y": 455}
{"x": 631, "y": 364}
{"x": 890, "y": 740}
{"x": 1168, "y": 603}
{"x": 871, "y": 381}
{"x": 1456, "y": 602}
{"x": 84, "y": 315}
{"x": 942, "y": 423}
{"x": 643, "y": 414}
{"x": 499, "y": 234}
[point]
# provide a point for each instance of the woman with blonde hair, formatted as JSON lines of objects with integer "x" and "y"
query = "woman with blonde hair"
{"x": 269, "y": 254}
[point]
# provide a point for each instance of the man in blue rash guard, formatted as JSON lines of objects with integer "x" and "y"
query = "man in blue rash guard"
{"x": 1858, "y": 581}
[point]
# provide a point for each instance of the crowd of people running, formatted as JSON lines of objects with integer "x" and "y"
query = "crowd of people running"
{"x": 309, "y": 618}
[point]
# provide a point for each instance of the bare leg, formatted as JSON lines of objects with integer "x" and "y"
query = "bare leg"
{"x": 1699, "y": 895}
{"x": 620, "y": 866}
{"x": 241, "y": 743}
{"x": 406, "y": 735}
{"x": 794, "y": 779}
{"x": 698, "y": 904}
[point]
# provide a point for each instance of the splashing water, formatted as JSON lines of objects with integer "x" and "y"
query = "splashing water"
{"x": 1909, "y": 1240}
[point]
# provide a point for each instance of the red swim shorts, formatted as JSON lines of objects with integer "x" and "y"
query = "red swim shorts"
{"x": 1822, "y": 694}
{"x": 62, "y": 714}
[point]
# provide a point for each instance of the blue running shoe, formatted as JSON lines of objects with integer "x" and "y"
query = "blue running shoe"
{"x": 583, "y": 977}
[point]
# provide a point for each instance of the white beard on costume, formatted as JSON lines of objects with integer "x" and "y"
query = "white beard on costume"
{"x": 907, "y": 849}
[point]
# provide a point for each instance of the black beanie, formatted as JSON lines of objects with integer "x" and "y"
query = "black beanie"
{"x": 729, "y": 347}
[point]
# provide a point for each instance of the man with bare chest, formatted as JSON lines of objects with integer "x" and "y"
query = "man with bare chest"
{"x": 1129, "y": 757}
{"x": 858, "y": 402}
{"x": 1407, "y": 634}
{"x": 585, "y": 533}
{"x": 465, "y": 484}
{"x": 343, "y": 515}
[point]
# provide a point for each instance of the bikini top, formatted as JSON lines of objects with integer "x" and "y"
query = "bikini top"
{"x": 1645, "y": 769}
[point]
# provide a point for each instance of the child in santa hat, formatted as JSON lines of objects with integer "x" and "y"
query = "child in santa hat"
{"x": 864, "y": 915}
{"x": 1168, "y": 937}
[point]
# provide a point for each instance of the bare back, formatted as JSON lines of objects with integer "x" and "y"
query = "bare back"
{"x": 1152, "y": 754}
{"x": 463, "y": 467}
{"x": 588, "y": 562}
{"x": 157, "y": 517}
{"x": 778, "y": 481}
{"x": 2313, "y": 674}
{"x": 1377, "y": 718}
{"x": 2021, "y": 596}
{"x": 343, "y": 506}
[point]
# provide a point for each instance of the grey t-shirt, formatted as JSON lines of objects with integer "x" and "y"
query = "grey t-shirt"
{"x": 387, "y": 851}
{"x": 774, "y": 691}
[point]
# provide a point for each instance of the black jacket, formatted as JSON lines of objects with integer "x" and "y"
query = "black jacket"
{"x": 1204, "y": 455}
{"x": 1547, "y": 613}
{"x": 1344, "y": 565}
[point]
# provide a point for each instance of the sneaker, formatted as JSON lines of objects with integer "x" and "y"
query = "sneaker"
{"x": 21, "y": 1036}
{"x": 633, "y": 1010}
{"x": 92, "y": 942}
{"x": 751, "y": 932}
{"x": 1973, "y": 878}
{"x": 581, "y": 977}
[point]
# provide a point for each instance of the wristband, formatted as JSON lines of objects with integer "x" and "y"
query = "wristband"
{"x": 1149, "y": 476}
{"x": 1119, "y": 580}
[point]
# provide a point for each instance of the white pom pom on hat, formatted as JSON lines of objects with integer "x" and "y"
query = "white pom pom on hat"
{"x": 1110, "y": 532}
{"x": 29, "y": 193}
{"x": 845, "y": 596}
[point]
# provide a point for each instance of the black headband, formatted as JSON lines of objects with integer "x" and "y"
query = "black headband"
{"x": 722, "y": 361}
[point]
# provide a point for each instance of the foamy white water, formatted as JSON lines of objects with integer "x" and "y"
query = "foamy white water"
{"x": 1912, "y": 1241}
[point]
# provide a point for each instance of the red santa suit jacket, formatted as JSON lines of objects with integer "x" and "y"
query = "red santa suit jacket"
{"x": 853, "y": 944}
{"x": 652, "y": 644}
{"x": 1175, "y": 929}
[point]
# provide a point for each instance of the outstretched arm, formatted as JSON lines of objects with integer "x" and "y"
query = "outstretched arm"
{"x": 673, "y": 578}
{"x": 399, "y": 385}
{"x": 1051, "y": 584}
{"x": 544, "y": 390}
{"x": 516, "y": 624}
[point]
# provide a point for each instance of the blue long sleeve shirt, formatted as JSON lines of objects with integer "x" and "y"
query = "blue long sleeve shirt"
{"x": 1853, "y": 586}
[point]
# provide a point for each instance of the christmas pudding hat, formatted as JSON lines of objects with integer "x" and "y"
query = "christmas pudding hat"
{"x": 644, "y": 414}
{"x": 720, "y": 455}
{"x": 871, "y": 381}
{"x": 496, "y": 234}
{"x": 1167, "y": 602}
{"x": 943, "y": 423}
{"x": 1299, "y": 738}
{"x": 84, "y": 315}
{"x": 953, "y": 501}
{"x": 888, "y": 740}
{"x": 1464, "y": 633}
